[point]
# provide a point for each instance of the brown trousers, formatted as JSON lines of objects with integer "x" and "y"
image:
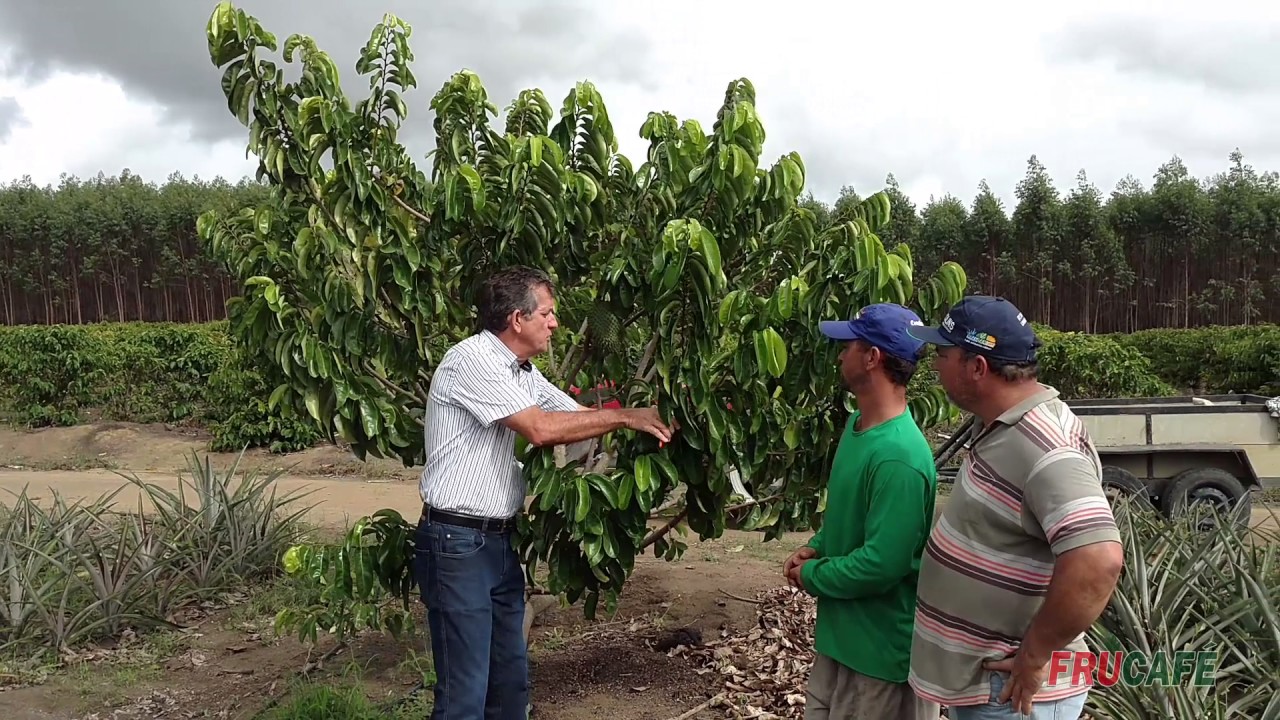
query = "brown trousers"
{"x": 836, "y": 692}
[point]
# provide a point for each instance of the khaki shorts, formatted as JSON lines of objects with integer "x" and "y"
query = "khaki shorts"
{"x": 836, "y": 692}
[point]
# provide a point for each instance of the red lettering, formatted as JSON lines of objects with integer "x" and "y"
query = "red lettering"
{"x": 1059, "y": 661}
{"x": 1085, "y": 662}
{"x": 1108, "y": 675}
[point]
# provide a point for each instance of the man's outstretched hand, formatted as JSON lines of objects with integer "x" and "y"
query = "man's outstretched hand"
{"x": 648, "y": 420}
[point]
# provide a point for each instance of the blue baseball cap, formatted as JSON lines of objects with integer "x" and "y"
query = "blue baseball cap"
{"x": 989, "y": 326}
{"x": 883, "y": 325}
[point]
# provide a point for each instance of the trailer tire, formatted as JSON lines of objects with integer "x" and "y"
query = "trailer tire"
{"x": 1117, "y": 481}
{"x": 1217, "y": 487}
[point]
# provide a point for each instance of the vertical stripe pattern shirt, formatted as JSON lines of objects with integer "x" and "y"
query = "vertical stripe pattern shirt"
{"x": 1029, "y": 490}
{"x": 470, "y": 465}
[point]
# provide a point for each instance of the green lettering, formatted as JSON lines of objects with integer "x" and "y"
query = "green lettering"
{"x": 1206, "y": 663}
{"x": 1131, "y": 676}
{"x": 1183, "y": 663}
{"x": 1160, "y": 672}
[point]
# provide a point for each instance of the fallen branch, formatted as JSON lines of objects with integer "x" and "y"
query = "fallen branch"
{"x": 695, "y": 710}
{"x": 739, "y": 598}
{"x": 310, "y": 666}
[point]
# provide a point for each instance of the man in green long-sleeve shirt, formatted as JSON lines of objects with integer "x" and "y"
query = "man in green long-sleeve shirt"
{"x": 862, "y": 564}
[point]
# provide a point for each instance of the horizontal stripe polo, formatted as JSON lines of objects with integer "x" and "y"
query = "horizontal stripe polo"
{"x": 1029, "y": 490}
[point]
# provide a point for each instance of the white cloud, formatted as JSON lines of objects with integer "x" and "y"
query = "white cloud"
{"x": 82, "y": 124}
{"x": 940, "y": 94}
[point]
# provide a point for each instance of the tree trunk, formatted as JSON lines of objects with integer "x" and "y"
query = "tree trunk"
{"x": 535, "y": 605}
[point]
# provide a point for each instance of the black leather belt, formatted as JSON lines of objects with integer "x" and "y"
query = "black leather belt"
{"x": 431, "y": 514}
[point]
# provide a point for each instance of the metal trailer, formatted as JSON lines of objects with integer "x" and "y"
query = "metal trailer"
{"x": 1172, "y": 451}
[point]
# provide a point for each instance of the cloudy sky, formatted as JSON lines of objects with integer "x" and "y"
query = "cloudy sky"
{"x": 941, "y": 94}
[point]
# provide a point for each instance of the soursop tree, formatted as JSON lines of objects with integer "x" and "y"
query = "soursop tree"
{"x": 694, "y": 279}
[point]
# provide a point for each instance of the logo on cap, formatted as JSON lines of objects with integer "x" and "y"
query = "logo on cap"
{"x": 976, "y": 337}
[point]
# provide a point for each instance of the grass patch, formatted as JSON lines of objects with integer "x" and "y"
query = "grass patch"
{"x": 111, "y": 683}
{"x": 258, "y": 612}
{"x": 345, "y": 700}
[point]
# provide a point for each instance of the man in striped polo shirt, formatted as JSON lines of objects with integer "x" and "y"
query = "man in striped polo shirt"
{"x": 485, "y": 392}
{"x": 1026, "y": 553}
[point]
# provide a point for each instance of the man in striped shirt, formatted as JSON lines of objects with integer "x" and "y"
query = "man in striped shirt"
{"x": 1026, "y": 553}
{"x": 484, "y": 392}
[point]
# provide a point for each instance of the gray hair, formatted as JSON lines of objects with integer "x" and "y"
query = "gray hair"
{"x": 507, "y": 291}
{"x": 1008, "y": 371}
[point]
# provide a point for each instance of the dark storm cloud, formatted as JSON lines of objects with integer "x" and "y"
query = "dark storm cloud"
{"x": 157, "y": 48}
{"x": 10, "y": 116}
{"x": 1239, "y": 59}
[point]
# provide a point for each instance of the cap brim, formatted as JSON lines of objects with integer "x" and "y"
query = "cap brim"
{"x": 929, "y": 335}
{"x": 837, "y": 330}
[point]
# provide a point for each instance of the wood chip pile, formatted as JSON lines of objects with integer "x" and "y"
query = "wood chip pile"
{"x": 766, "y": 668}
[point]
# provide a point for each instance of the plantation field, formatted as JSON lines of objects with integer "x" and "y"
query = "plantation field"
{"x": 224, "y": 661}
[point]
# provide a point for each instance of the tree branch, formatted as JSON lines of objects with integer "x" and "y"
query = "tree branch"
{"x": 388, "y": 384}
{"x": 634, "y": 317}
{"x": 656, "y": 535}
{"x": 575, "y": 357}
{"x": 642, "y": 368}
{"x": 410, "y": 209}
{"x": 752, "y": 503}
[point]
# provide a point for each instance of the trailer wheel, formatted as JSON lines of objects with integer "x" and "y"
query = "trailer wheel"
{"x": 1218, "y": 489}
{"x": 1117, "y": 482}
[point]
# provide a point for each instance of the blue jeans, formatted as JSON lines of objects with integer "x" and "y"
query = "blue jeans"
{"x": 1064, "y": 709}
{"x": 472, "y": 583}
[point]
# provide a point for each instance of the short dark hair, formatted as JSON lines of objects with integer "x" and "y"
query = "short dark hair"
{"x": 899, "y": 371}
{"x": 506, "y": 291}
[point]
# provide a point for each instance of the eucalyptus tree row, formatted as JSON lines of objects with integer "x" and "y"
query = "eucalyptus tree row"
{"x": 1183, "y": 252}
{"x": 112, "y": 249}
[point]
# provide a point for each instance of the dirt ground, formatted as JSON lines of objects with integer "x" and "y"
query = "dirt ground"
{"x": 228, "y": 664}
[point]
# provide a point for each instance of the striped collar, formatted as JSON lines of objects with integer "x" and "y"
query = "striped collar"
{"x": 500, "y": 348}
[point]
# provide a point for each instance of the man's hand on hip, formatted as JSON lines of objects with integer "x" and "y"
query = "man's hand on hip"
{"x": 1025, "y": 680}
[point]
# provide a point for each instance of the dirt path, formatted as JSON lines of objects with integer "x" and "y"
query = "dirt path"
{"x": 168, "y": 449}
{"x": 335, "y": 502}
